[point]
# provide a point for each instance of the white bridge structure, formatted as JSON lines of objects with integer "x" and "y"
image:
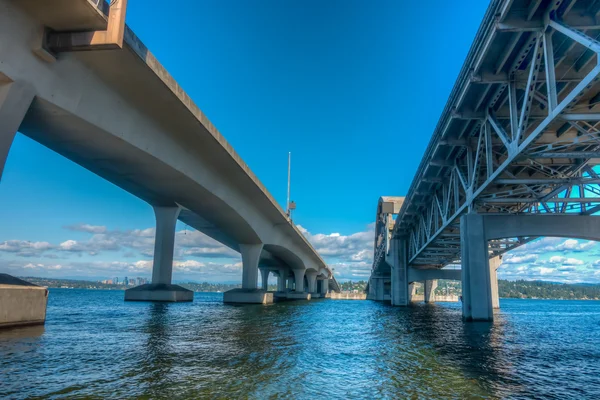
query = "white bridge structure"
{"x": 76, "y": 79}
{"x": 511, "y": 159}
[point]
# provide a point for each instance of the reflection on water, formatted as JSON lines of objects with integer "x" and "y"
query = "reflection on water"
{"x": 96, "y": 345}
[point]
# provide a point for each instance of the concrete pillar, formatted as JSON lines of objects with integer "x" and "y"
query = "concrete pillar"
{"x": 164, "y": 244}
{"x": 324, "y": 286}
{"x": 494, "y": 264}
{"x": 291, "y": 283}
{"x": 412, "y": 290}
{"x": 250, "y": 259}
{"x": 281, "y": 280}
{"x": 15, "y": 99}
{"x": 399, "y": 271}
{"x": 311, "y": 276}
{"x": 161, "y": 288}
{"x": 299, "y": 279}
{"x": 379, "y": 289}
{"x": 429, "y": 290}
{"x": 264, "y": 274}
{"x": 249, "y": 292}
{"x": 371, "y": 291}
{"x": 477, "y": 293}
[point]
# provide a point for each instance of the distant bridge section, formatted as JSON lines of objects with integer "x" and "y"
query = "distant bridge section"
{"x": 517, "y": 141}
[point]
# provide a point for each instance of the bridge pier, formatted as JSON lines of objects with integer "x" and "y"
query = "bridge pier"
{"x": 161, "y": 288}
{"x": 264, "y": 274}
{"x": 324, "y": 286}
{"x": 298, "y": 293}
{"x": 376, "y": 288}
{"x": 15, "y": 99}
{"x": 311, "y": 277}
{"x": 494, "y": 264}
{"x": 399, "y": 272}
{"x": 412, "y": 291}
{"x": 249, "y": 292}
{"x": 429, "y": 290}
{"x": 282, "y": 279}
{"x": 476, "y": 282}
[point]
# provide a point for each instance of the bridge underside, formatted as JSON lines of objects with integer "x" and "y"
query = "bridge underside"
{"x": 114, "y": 110}
{"x": 519, "y": 137}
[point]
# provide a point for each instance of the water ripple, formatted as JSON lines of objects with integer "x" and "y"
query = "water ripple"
{"x": 96, "y": 345}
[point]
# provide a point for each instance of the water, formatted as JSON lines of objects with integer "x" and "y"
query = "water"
{"x": 96, "y": 345}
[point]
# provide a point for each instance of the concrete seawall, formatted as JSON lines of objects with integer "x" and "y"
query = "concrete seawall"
{"x": 419, "y": 298}
{"x": 348, "y": 296}
{"x": 21, "y": 302}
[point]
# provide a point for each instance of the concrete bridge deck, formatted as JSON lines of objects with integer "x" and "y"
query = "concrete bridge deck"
{"x": 513, "y": 151}
{"x": 114, "y": 110}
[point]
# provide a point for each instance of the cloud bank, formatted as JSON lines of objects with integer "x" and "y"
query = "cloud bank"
{"x": 105, "y": 253}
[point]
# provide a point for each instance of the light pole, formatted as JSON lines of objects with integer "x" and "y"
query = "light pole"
{"x": 290, "y": 205}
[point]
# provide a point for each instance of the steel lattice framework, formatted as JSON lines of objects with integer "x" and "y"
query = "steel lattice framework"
{"x": 520, "y": 132}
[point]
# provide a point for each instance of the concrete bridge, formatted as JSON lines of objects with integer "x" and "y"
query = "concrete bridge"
{"x": 511, "y": 159}
{"x": 76, "y": 79}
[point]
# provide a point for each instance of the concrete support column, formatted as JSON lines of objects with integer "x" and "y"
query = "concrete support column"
{"x": 164, "y": 244}
{"x": 161, "y": 288}
{"x": 299, "y": 279}
{"x": 398, "y": 261}
{"x": 311, "y": 276}
{"x": 264, "y": 275}
{"x": 249, "y": 292}
{"x": 324, "y": 286}
{"x": 412, "y": 290}
{"x": 494, "y": 264}
{"x": 371, "y": 291}
{"x": 379, "y": 289}
{"x": 477, "y": 293}
{"x": 250, "y": 259}
{"x": 429, "y": 287}
{"x": 15, "y": 99}
{"x": 281, "y": 279}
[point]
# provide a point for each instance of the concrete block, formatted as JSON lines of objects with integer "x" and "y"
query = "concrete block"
{"x": 248, "y": 296}
{"x": 21, "y": 303}
{"x": 298, "y": 296}
{"x": 159, "y": 292}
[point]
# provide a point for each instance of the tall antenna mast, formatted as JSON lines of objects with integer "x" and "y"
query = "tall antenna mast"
{"x": 287, "y": 206}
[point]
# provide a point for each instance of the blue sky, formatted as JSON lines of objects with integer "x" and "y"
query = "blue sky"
{"x": 352, "y": 88}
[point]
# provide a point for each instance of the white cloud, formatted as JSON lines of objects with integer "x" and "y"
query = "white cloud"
{"x": 336, "y": 245}
{"x": 512, "y": 259}
{"x": 565, "y": 261}
{"x": 25, "y": 248}
{"x": 574, "y": 245}
{"x": 87, "y": 228}
{"x": 198, "y": 256}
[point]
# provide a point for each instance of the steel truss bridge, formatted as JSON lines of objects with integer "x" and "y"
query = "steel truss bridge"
{"x": 520, "y": 132}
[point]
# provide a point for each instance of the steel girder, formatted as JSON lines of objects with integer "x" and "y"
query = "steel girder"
{"x": 520, "y": 133}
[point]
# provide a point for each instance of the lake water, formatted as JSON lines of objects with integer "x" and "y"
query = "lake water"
{"x": 96, "y": 345}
